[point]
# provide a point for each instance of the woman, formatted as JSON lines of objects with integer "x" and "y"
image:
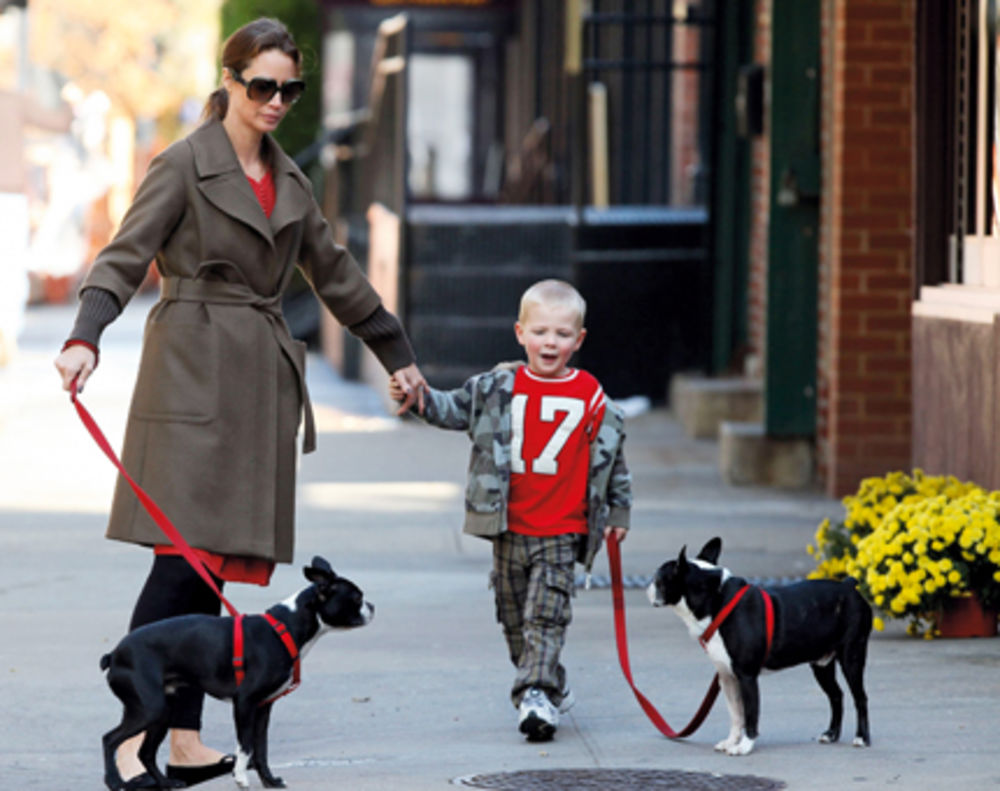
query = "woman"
{"x": 221, "y": 388}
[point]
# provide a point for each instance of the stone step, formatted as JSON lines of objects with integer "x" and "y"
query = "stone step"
{"x": 748, "y": 457}
{"x": 702, "y": 403}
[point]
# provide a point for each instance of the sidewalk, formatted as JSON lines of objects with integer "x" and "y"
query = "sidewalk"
{"x": 418, "y": 699}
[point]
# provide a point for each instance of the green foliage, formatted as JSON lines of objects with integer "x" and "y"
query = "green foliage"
{"x": 303, "y": 19}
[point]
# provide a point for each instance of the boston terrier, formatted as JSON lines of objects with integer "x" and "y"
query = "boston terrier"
{"x": 198, "y": 650}
{"x": 814, "y": 621}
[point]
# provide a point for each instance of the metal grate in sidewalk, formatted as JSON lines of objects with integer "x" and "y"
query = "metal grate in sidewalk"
{"x": 618, "y": 779}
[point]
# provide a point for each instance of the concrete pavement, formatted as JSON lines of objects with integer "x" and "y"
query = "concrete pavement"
{"x": 419, "y": 698}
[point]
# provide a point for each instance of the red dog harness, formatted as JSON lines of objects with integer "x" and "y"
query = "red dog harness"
{"x": 286, "y": 638}
{"x": 730, "y": 606}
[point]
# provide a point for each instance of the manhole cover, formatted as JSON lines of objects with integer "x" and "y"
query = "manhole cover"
{"x": 618, "y": 780}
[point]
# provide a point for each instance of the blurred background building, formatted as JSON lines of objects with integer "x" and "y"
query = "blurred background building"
{"x": 782, "y": 213}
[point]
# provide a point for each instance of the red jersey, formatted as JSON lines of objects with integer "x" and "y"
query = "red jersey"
{"x": 553, "y": 422}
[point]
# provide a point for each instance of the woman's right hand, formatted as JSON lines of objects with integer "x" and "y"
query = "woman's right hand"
{"x": 76, "y": 362}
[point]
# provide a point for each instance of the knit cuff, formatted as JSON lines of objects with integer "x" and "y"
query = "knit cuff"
{"x": 98, "y": 308}
{"x": 384, "y": 335}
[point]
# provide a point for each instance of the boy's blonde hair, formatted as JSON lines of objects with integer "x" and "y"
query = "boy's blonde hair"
{"x": 553, "y": 292}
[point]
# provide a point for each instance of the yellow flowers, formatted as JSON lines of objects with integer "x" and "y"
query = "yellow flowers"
{"x": 912, "y": 542}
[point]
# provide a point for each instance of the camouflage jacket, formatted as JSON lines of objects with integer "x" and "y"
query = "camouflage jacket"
{"x": 481, "y": 407}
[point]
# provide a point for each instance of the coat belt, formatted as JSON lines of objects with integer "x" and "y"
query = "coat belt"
{"x": 219, "y": 292}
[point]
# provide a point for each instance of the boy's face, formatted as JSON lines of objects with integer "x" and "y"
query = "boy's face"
{"x": 549, "y": 334}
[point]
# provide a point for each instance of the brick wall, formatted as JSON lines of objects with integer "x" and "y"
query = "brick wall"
{"x": 866, "y": 240}
{"x": 760, "y": 212}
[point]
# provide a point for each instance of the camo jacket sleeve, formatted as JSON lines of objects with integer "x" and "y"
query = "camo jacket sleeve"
{"x": 451, "y": 409}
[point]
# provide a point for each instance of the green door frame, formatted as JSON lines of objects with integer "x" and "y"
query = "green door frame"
{"x": 731, "y": 188}
{"x": 793, "y": 253}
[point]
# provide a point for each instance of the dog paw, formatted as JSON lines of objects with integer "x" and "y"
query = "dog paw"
{"x": 828, "y": 737}
{"x": 743, "y": 747}
{"x": 273, "y": 782}
{"x": 860, "y": 741}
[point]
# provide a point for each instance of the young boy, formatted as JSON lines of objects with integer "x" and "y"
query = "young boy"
{"x": 547, "y": 483}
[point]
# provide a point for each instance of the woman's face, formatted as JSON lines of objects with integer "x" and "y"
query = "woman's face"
{"x": 260, "y": 116}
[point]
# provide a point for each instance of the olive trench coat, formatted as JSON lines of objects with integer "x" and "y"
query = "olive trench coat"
{"x": 221, "y": 390}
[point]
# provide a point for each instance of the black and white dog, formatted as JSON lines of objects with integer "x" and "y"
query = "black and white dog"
{"x": 815, "y": 621}
{"x": 197, "y": 650}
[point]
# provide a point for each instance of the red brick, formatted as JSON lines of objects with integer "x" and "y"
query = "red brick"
{"x": 877, "y": 260}
{"x": 900, "y": 322}
{"x": 858, "y": 96}
{"x": 891, "y": 10}
{"x": 889, "y": 282}
{"x": 890, "y": 241}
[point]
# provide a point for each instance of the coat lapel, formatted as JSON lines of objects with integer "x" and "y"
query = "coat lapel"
{"x": 293, "y": 193}
{"x": 222, "y": 181}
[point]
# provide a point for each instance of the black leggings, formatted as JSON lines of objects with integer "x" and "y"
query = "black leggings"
{"x": 174, "y": 588}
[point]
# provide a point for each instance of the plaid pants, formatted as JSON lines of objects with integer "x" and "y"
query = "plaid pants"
{"x": 533, "y": 582}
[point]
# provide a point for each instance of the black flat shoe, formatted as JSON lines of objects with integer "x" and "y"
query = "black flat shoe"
{"x": 192, "y": 775}
{"x": 145, "y": 780}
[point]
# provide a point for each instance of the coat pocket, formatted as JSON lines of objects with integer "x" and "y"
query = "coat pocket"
{"x": 179, "y": 370}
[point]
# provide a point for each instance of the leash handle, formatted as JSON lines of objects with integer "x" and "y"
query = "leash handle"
{"x": 171, "y": 532}
{"x": 621, "y": 637}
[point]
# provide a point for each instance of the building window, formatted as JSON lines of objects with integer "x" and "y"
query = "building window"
{"x": 974, "y": 240}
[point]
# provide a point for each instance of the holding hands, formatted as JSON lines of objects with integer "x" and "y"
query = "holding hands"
{"x": 407, "y": 385}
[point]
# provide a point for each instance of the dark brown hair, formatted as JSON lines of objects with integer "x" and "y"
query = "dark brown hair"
{"x": 242, "y": 47}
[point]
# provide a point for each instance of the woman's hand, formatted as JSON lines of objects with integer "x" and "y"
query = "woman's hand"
{"x": 409, "y": 384}
{"x": 76, "y": 362}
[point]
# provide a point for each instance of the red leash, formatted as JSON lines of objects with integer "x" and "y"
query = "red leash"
{"x": 621, "y": 637}
{"x": 175, "y": 537}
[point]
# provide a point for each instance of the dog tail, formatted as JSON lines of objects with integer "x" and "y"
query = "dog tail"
{"x": 105, "y": 661}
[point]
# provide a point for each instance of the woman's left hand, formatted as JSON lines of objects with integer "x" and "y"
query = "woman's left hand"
{"x": 413, "y": 384}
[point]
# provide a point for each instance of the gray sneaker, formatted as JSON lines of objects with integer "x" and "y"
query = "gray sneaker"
{"x": 538, "y": 718}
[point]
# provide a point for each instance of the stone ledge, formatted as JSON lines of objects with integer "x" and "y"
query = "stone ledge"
{"x": 747, "y": 457}
{"x": 701, "y": 403}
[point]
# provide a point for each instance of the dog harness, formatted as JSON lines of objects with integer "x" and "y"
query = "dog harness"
{"x": 730, "y": 606}
{"x": 286, "y": 639}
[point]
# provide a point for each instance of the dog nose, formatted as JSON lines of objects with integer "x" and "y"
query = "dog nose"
{"x": 369, "y": 611}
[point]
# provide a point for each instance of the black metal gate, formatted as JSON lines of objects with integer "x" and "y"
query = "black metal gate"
{"x": 655, "y": 60}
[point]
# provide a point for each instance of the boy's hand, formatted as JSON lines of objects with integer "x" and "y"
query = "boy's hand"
{"x": 411, "y": 385}
{"x": 620, "y": 532}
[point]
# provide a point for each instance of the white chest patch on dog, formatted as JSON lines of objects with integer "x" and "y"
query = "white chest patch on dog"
{"x": 715, "y": 648}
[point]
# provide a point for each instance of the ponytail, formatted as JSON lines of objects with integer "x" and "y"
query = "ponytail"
{"x": 217, "y": 105}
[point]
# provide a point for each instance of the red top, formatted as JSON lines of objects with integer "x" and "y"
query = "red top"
{"x": 236, "y": 568}
{"x": 553, "y": 422}
{"x": 264, "y": 190}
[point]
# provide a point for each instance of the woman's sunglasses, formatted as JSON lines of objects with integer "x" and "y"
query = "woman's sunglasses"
{"x": 262, "y": 89}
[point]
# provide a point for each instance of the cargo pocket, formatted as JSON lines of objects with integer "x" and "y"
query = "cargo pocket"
{"x": 178, "y": 378}
{"x": 554, "y": 593}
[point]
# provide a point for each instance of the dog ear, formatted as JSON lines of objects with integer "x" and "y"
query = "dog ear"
{"x": 320, "y": 571}
{"x": 682, "y": 561}
{"x": 710, "y": 552}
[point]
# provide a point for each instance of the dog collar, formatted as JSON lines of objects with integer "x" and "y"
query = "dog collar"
{"x": 730, "y": 606}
